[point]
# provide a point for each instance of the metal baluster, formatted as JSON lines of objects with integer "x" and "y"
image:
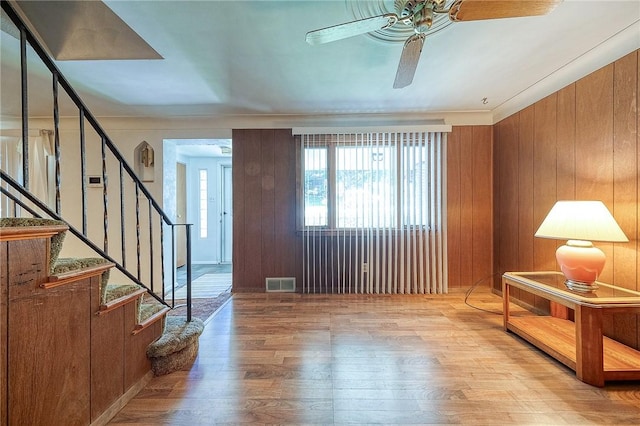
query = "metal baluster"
{"x": 56, "y": 138}
{"x": 25, "y": 107}
{"x": 138, "y": 227}
{"x": 188, "y": 226}
{"x": 104, "y": 195}
{"x": 151, "y": 274}
{"x": 162, "y": 255}
{"x": 173, "y": 266}
{"x": 122, "y": 221}
{"x": 83, "y": 172}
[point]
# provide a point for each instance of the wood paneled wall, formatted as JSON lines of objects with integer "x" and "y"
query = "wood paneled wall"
{"x": 469, "y": 205}
{"x": 578, "y": 143}
{"x": 264, "y": 207}
{"x": 264, "y": 201}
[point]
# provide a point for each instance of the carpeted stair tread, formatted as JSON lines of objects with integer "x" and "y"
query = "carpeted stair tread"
{"x": 148, "y": 310}
{"x": 56, "y": 240}
{"x": 149, "y": 313}
{"x": 178, "y": 333}
{"x": 177, "y": 347}
{"x": 70, "y": 266}
{"x": 114, "y": 292}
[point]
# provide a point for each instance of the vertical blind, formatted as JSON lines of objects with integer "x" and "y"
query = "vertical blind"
{"x": 373, "y": 218}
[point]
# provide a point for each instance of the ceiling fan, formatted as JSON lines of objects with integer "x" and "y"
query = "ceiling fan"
{"x": 418, "y": 14}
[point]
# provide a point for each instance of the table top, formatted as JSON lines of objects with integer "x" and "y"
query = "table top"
{"x": 552, "y": 282}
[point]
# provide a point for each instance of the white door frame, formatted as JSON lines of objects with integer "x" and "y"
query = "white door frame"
{"x": 226, "y": 214}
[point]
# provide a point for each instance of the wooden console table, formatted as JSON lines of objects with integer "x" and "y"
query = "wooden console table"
{"x": 579, "y": 344}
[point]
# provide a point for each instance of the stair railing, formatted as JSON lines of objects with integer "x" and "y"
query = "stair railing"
{"x": 17, "y": 189}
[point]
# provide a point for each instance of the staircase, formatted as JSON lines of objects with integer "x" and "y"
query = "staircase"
{"x": 78, "y": 344}
{"x": 80, "y": 336}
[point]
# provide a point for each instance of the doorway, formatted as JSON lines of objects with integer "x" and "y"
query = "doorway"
{"x": 203, "y": 198}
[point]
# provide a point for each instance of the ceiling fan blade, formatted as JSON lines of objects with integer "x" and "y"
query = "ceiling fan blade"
{"x": 361, "y": 26}
{"x": 409, "y": 61}
{"x": 475, "y": 10}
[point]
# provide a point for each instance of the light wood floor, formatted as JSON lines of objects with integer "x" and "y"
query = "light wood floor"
{"x": 299, "y": 359}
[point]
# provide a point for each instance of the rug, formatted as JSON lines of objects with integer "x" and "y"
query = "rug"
{"x": 206, "y": 286}
{"x": 202, "y": 309}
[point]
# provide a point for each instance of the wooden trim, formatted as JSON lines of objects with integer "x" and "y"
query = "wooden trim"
{"x": 75, "y": 275}
{"x": 152, "y": 319}
{"x": 116, "y": 303}
{"x": 13, "y": 233}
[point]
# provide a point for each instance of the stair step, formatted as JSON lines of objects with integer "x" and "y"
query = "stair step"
{"x": 177, "y": 347}
{"x": 73, "y": 269}
{"x": 20, "y": 227}
{"x": 116, "y": 295}
{"x": 149, "y": 313}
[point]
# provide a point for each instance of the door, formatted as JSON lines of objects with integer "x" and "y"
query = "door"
{"x": 181, "y": 214}
{"x": 226, "y": 220}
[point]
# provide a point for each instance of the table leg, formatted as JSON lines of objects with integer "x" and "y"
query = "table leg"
{"x": 589, "y": 346}
{"x": 505, "y": 303}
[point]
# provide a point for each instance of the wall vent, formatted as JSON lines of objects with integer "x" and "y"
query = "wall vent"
{"x": 282, "y": 285}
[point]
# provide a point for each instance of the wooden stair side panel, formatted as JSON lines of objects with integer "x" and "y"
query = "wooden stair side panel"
{"x": 107, "y": 354}
{"x": 136, "y": 363}
{"x": 46, "y": 342}
{"x": 65, "y": 356}
{"x": 4, "y": 316}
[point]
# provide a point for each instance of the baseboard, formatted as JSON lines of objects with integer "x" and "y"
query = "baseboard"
{"x": 119, "y": 404}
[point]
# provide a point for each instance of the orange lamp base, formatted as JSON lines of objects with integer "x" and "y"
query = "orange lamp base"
{"x": 581, "y": 263}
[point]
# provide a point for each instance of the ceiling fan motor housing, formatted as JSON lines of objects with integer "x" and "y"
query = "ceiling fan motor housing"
{"x": 420, "y": 12}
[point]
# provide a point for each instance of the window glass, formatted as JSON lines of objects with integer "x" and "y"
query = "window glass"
{"x": 203, "y": 203}
{"x": 315, "y": 187}
{"x": 365, "y": 186}
{"x": 415, "y": 181}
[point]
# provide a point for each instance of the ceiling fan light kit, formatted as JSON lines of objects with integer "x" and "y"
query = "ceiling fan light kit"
{"x": 419, "y": 15}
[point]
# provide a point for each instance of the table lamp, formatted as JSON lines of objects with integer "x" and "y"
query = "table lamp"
{"x": 581, "y": 222}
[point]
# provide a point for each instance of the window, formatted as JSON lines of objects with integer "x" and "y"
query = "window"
{"x": 371, "y": 217}
{"x": 203, "y": 187}
{"x": 366, "y": 181}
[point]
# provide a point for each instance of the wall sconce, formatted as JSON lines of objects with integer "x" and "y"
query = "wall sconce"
{"x": 581, "y": 222}
{"x": 146, "y": 155}
{"x": 145, "y": 161}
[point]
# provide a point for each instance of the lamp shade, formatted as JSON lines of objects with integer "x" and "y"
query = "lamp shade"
{"x": 581, "y": 220}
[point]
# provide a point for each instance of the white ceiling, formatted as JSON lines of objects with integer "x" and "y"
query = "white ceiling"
{"x": 202, "y": 147}
{"x": 249, "y": 58}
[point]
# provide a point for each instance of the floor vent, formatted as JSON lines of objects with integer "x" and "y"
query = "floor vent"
{"x": 281, "y": 284}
